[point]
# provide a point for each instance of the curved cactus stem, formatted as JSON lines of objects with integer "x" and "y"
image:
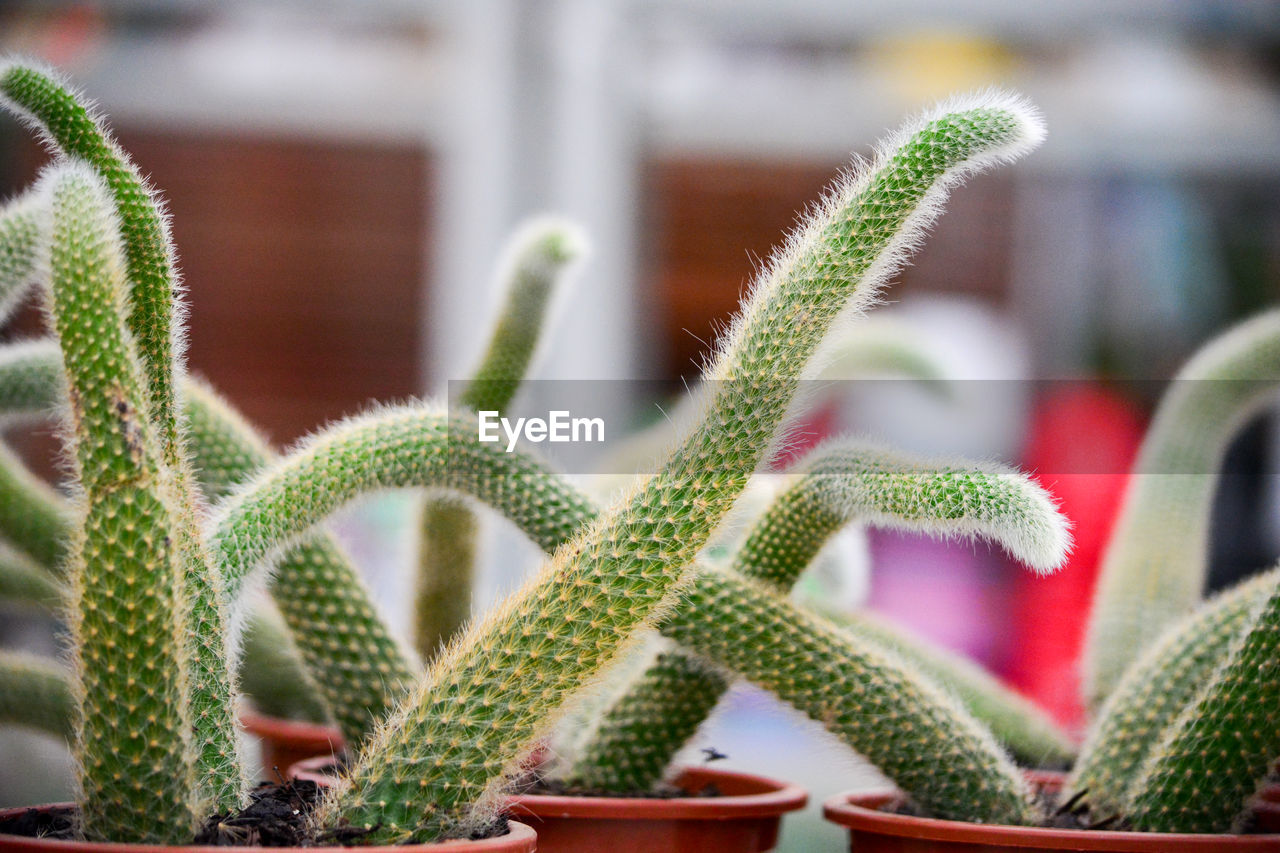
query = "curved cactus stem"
{"x": 24, "y": 580}
{"x": 1154, "y": 567}
{"x": 31, "y": 383}
{"x": 408, "y": 446}
{"x": 538, "y": 258}
{"x": 134, "y": 743}
{"x": 913, "y": 731}
{"x": 496, "y": 689}
{"x": 37, "y": 693}
{"x": 1216, "y": 755}
{"x": 838, "y": 483}
{"x": 22, "y": 261}
{"x": 272, "y": 674}
{"x": 65, "y": 124}
{"x": 1157, "y": 688}
{"x": 358, "y": 665}
{"x": 33, "y": 516}
{"x": 536, "y": 262}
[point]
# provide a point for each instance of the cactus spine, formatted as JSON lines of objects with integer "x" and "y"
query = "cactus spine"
{"x": 487, "y": 697}
{"x": 135, "y": 740}
{"x": 538, "y": 257}
{"x": 1153, "y": 571}
{"x": 1157, "y": 688}
{"x": 839, "y": 483}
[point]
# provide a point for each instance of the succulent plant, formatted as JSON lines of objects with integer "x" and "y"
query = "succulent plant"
{"x": 158, "y": 592}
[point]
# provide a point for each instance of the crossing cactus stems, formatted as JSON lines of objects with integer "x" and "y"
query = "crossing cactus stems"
{"x": 536, "y": 261}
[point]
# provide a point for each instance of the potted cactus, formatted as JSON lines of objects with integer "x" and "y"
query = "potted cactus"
{"x": 156, "y": 588}
{"x": 1185, "y": 730}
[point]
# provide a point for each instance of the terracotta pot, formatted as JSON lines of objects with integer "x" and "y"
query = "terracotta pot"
{"x": 874, "y": 831}
{"x": 519, "y": 839}
{"x": 286, "y": 742}
{"x": 745, "y": 819}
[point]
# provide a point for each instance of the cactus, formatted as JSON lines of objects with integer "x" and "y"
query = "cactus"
{"x": 20, "y": 227}
{"x": 273, "y": 675}
{"x": 32, "y": 515}
{"x": 135, "y": 741}
{"x": 1156, "y": 690}
{"x": 536, "y": 262}
{"x": 1214, "y": 757}
{"x": 1154, "y": 568}
{"x": 37, "y": 694}
{"x": 23, "y": 580}
{"x": 838, "y": 483}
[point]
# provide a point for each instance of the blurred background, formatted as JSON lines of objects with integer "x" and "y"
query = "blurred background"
{"x": 342, "y": 174}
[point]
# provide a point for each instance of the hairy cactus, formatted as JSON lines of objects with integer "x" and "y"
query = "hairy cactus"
{"x": 135, "y": 740}
{"x": 20, "y": 226}
{"x": 1154, "y": 568}
{"x": 37, "y": 694}
{"x": 32, "y": 381}
{"x": 1157, "y": 688}
{"x": 839, "y": 483}
{"x": 493, "y": 692}
{"x": 1215, "y": 756}
{"x": 32, "y": 515}
{"x": 273, "y": 675}
{"x": 536, "y": 261}
{"x": 23, "y": 580}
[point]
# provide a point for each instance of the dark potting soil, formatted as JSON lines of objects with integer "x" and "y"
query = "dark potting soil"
{"x": 277, "y": 816}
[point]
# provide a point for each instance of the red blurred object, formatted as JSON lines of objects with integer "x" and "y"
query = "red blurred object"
{"x": 1083, "y": 440}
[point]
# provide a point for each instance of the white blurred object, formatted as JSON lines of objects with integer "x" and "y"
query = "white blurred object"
{"x": 985, "y": 411}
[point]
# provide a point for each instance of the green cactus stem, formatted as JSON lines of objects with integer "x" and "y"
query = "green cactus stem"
{"x": 1154, "y": 568}
{"x": 358, "y": 665}
{"x": 1214, "y": 758}
{"x": 536, "y": 262}
{"x": 839, "y": 483}
{"x": 1156, "y": 690}
{"x": 20, "y": 268}
{"x": 33, "y": 516}
{"x": 272, "y": 674}
{"x": 441, "y": 762}
{"x": 23, "y": 580}
{"x": 914, "y": 732}
{"x": 61, "y": 119}
{"x": 36, "y": 692}
{"x": 134, "y": 743}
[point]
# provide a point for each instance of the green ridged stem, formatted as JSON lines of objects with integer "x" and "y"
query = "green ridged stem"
{"x": 414, "y": 446}
{"x": 21, "y": 227}
{"x": 441, "y": 762}
{"x": 355, "y": 661}
{"x": 1018, "y": 724}
{"x": 33, "y": 516}
{"x": 23, "y": 580}
{"x": 359, "y": 666}
{"x": 914, "y": 732}
{"x": 1216, "y": 756}
{"x": 1157, "y": 688}
{"x": 537, "y": 260}
{"x": 539, "y": 255}
{"x": 272, "y": 674}
{"x": 31, "y": 383}
{"x": 54, "y": 111}
{"x": 1154, "y": 568}
{"x": 36, "y": 692}
{"x": 838, "y": 483}
{"x": 446, "y": 565}
{"x": 62, "y": 121}
{"x": 139, "y": 772}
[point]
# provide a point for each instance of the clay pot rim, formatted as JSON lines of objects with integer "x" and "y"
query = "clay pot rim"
{"x": 520, "y": 838}
{"x": 775, "y": 798}
{"x": 860, "y": 811}
{"x": 322, "y": 735}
